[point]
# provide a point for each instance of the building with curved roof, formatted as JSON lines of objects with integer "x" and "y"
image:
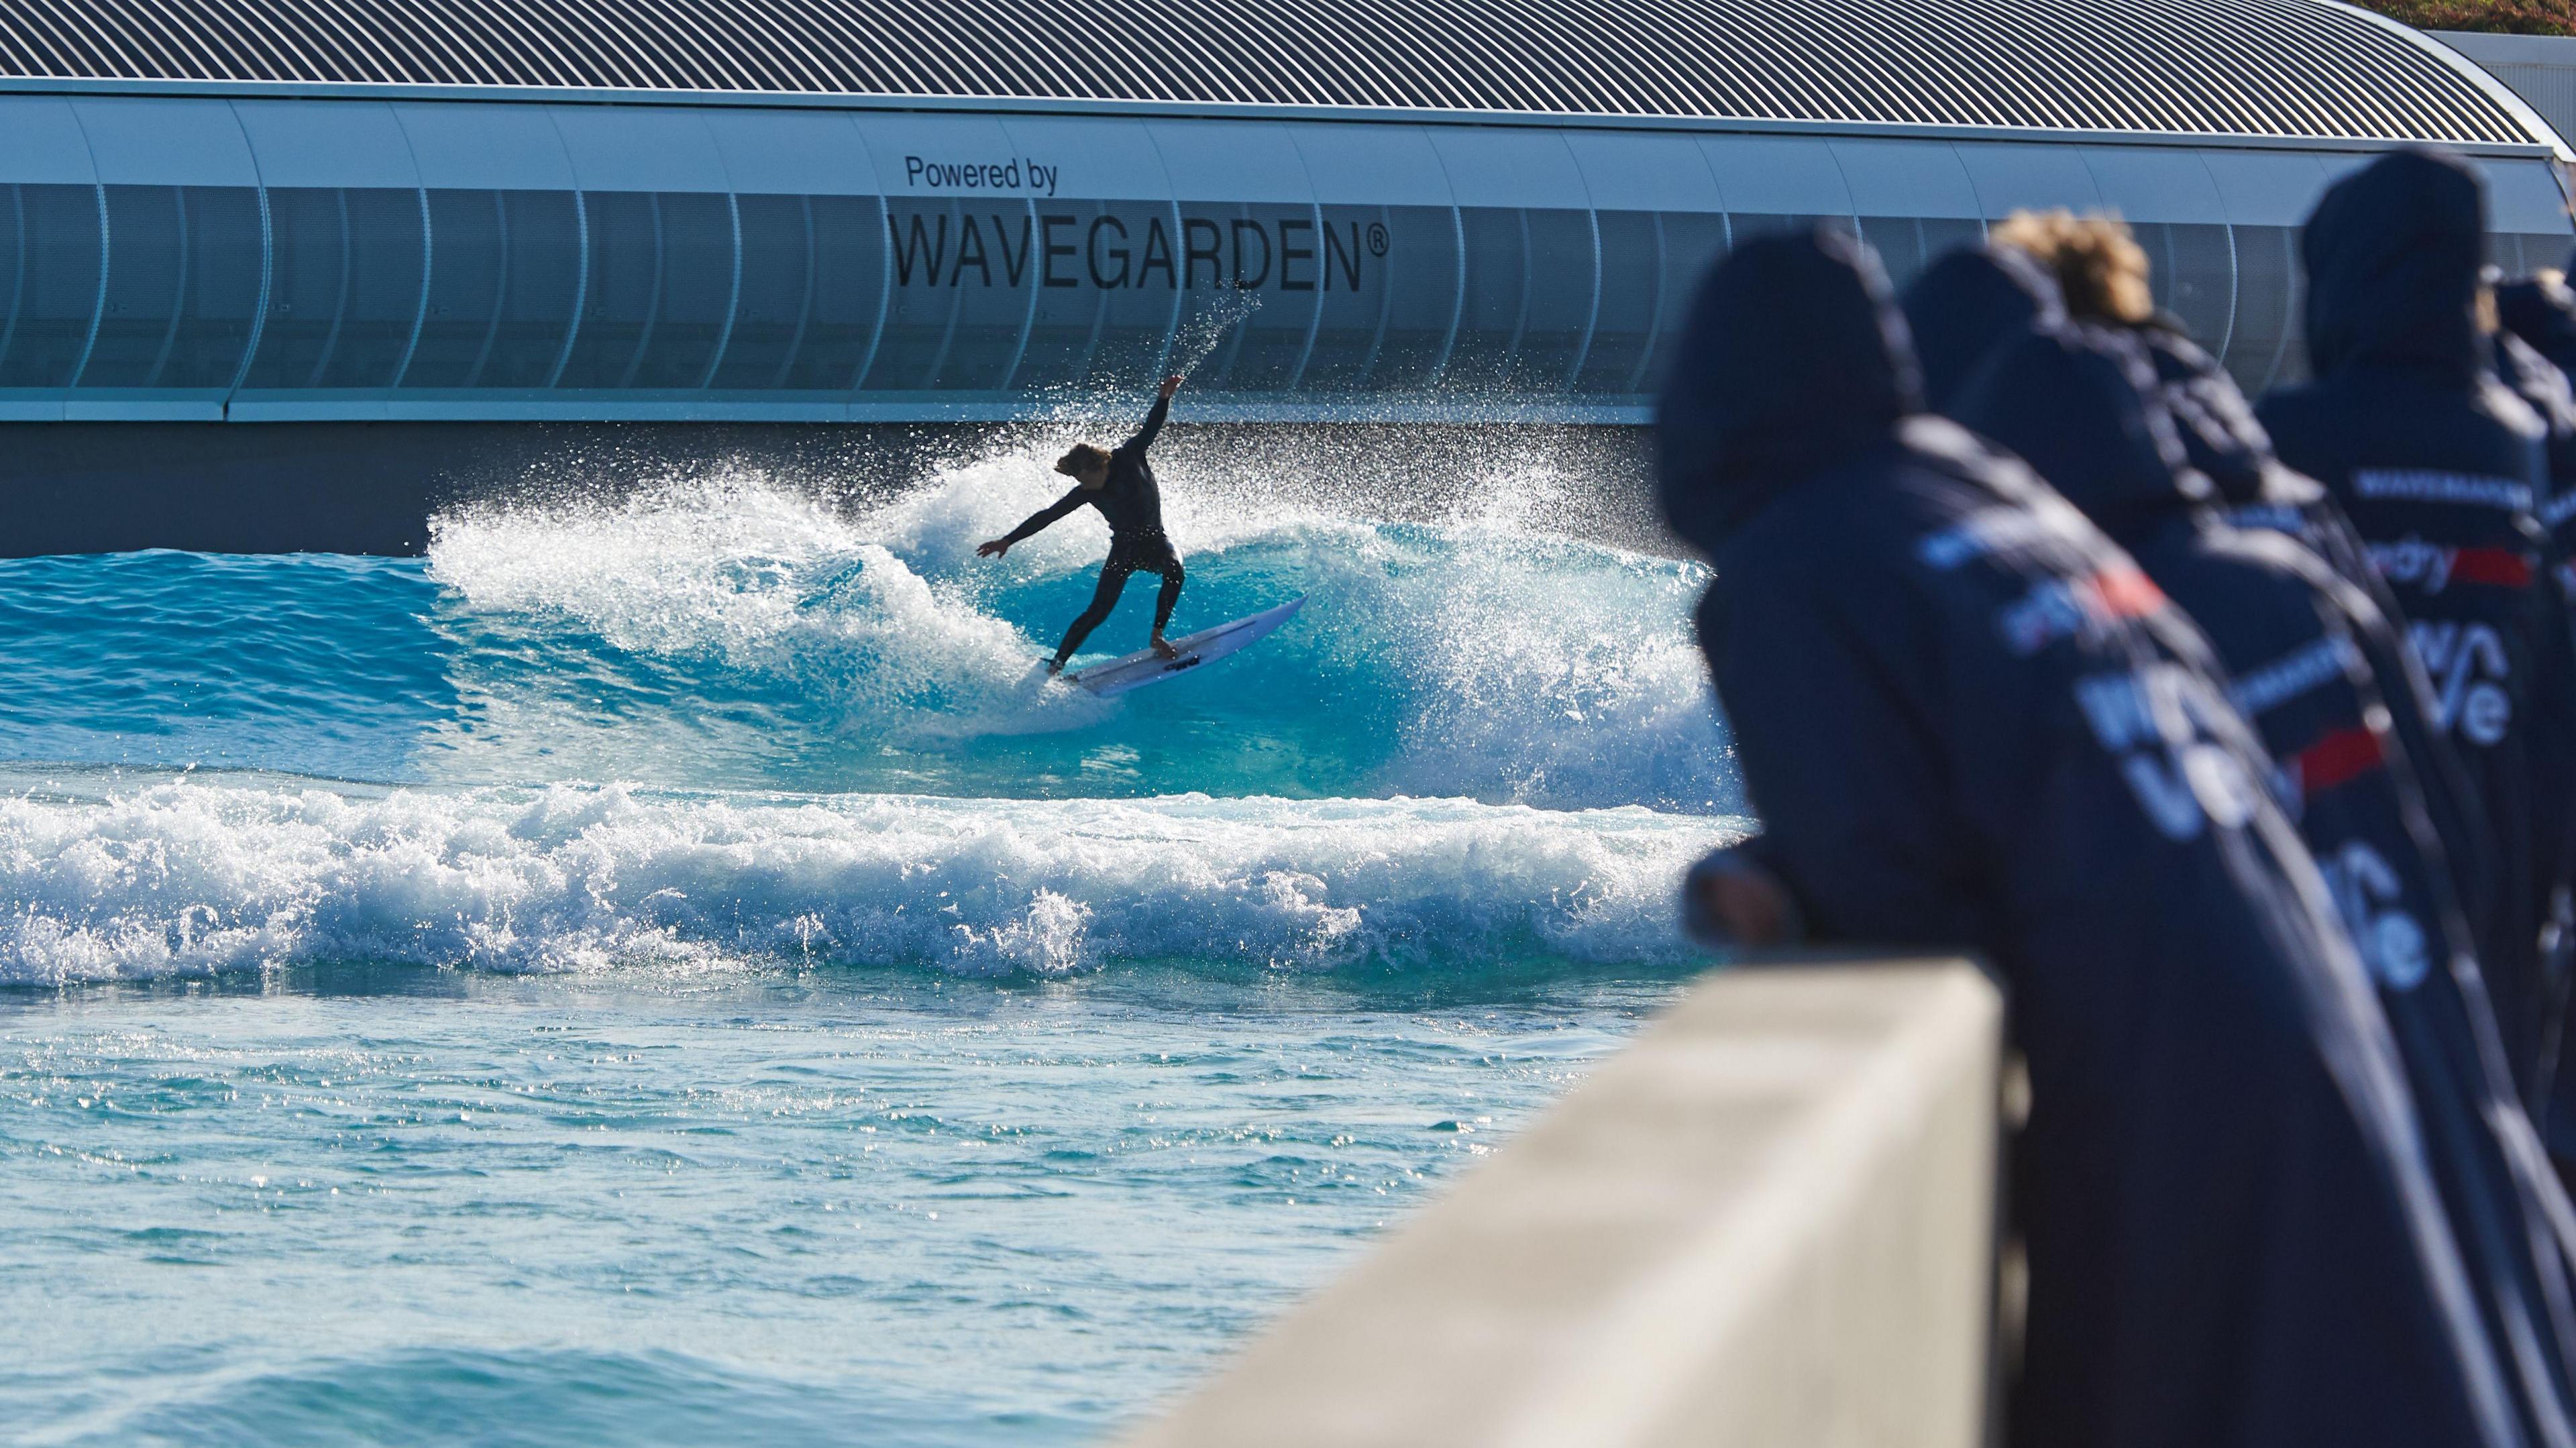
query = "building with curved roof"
{"x": 954, "y": 210}
{"x": 2253, "y": 68}
{"x": 822, "y": 209}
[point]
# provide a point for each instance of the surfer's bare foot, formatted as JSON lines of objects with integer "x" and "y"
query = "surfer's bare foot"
{"x": 1163, "y": 648}
{"x": 1054, "y": 667}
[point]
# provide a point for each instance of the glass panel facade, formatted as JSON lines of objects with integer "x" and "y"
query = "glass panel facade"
{"x": 1125, "y": 255}
{"x": 1693, "y": 242}
{"x": 2266, "y": 272}
{"x": 658, "y": 295}
{"x": 345, "y": 290}
{"x": 542, "y": 277}
{"x": 777, "y": 293}
{"x": 1275, "y": 254}
{"x": 1066, "y": 323}
{"x": 811, "y": 291}
{"x": 536, "y": 293}
{"x": 1633, "y": 277}
{"x": 1424, "y": 269}
{"x": 466, "y": 271}
{"x": 1351, "y": 298}
{"x": 2519, "y": 254}
{"x": 925, "y": 238}
{"x": 992, "y": 286}
{"x": 183, "y": 284}
{"x": 2192, "y": 270}
{"x": 53, "y": 256}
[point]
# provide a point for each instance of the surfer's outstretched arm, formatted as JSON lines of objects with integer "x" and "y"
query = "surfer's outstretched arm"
{"x": 1154, "y": 416}
{"x": 1037, "y": 523}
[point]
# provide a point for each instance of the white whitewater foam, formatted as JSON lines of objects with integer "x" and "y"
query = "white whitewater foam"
{"x": 770, "y": 585}
{"x": 192, "y": 878}
{"x": 1519, "y": 665}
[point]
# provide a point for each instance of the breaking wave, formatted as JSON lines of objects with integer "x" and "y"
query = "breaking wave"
{"x": 737, "y": 632}
{"x": 184, "y": 877}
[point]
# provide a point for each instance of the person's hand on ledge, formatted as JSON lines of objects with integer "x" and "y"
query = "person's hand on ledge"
{"x": 1732, "y": 901}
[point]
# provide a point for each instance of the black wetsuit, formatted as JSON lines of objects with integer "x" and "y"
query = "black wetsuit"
{"x": 1134, "y": 507}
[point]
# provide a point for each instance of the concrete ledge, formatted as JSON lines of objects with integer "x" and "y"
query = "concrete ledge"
{"x": 1768, "y": 1221}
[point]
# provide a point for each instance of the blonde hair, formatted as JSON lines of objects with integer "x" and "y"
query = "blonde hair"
{"x": 2099, "y": 266}
{"x": 1081, "y": 458}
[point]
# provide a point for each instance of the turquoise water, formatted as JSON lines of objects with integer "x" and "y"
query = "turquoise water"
{"x": 667, "y": 971}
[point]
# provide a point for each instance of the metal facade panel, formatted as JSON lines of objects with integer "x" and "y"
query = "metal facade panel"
{"x": 2250, "y": 68}
{"x": 157, "y": 141}
{"x": 45, "y": 143}
{"x": 1644, "y": 171}
{"x": 791, "y": 153}
{"x": 2522, "y": 196}
{"x": 944, "y": 157}
{"x": 2013, "y": 178}
{"x": 1090, "y": 156}
{"x": 639, "y": 148}
{"x": 502, "y": 148}
{"x": 1906, "y": 178}
{"x": 1373, "y": 165}
{"x": 1498, "y": 166}
{"x": 2150, "y": 183}
{"x": 2261, "y": 189}
{"x": 1777, "y": 175}
{"x": 1237, "y": 160}
{"x": 327, "y": 143}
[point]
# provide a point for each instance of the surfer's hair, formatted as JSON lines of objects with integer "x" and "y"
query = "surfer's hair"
{"x": 1082, "y": 458}
{"x": 2098, "y": 264}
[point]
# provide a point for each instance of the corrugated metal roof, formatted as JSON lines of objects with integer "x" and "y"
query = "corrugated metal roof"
{"x": 2256, "y": 68}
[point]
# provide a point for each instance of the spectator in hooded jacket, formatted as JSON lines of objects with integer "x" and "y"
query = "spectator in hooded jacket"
{"x": 2540, "y": 313}
{"x": 2094, "y": 272}
{"x": 2439, "y": 467}
{"x": 2541, "y": 310}
{"x": 2534, "y": 351}
{"x": 1969, "y": 722}
{"x": 2543, "y": 388}
{"x": 1968, "y": 302}
{"x": 2083, "y": 407}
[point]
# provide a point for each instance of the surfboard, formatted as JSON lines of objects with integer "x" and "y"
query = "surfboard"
{"x": 1204, "y": 647}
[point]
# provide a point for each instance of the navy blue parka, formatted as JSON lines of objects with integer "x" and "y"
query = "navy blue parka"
{"x": 1977, "y": 301}
{"x": 1969, "y": 722}
{"x": 2440, "y": 468}
{"x": 2540, "y": 313}
{"x": 2084, "y": 407}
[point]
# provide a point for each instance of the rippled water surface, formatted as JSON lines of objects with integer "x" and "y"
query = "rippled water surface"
{"x": 669, "y": 971}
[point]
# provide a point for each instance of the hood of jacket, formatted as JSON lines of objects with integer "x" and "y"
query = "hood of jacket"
{"x": 2080, "y": 405}
{"x": 2220, "y": 436}
{"x": 2393, "y": 253}
{"x": 1794, "y": 360}
{"x": 2541, "y": 311}
{"x": 2535, "y": 379}
{"x": 1969, "y": 303}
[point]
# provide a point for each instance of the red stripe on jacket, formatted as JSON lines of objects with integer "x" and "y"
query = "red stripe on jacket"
{"x": 2495, "y": 567}
{"x": 2340, "y": 757}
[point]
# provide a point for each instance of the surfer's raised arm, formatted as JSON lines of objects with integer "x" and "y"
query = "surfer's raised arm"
{"x": 1154, "y": 416}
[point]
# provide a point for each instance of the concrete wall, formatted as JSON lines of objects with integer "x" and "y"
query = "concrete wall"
{"x": 2539, "y": 68}
{"x": 1769, "y": 1221}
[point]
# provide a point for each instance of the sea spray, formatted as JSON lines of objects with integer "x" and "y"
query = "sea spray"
{"x": 730, "y": 631}
{"x": 191, "y": 878}
{"x": 777, "y": 641}
{"x": 1215, "y": 320}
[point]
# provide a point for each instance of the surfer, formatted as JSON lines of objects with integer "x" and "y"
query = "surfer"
{"x": 1120, "y": 483}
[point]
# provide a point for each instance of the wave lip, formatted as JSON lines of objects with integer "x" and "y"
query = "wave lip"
{"x": 187, "y": 878}
{"x": 729, "y": 633}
